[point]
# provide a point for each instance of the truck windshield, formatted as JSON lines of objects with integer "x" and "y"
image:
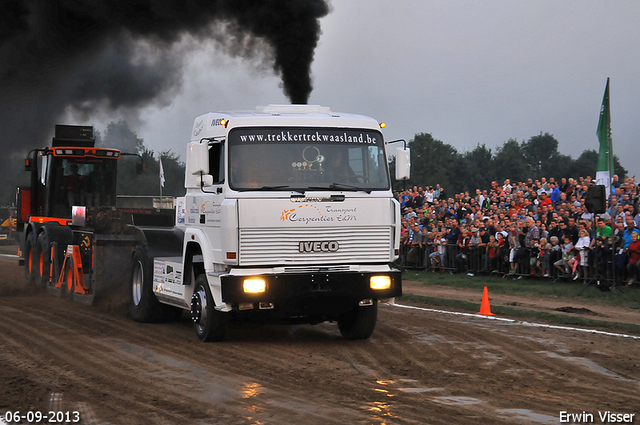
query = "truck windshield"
{"x": 82, "y": 181}
{"x": 304, "y": 158}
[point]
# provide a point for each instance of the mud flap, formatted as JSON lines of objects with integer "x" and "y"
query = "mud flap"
{"x": 72, "y": 277}
{"x": 112, "y": 272}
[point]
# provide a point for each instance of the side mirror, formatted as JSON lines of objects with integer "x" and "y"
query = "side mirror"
{"x": 198, "y": 158}
{"x": 403, "y": 163}
{"x": 207, "y": 180}
{"x": 29, "y": 164}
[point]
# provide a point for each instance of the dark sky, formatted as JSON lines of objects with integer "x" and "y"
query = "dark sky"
{"x": 467, "y": 72}
{"x": 113, "y": 57}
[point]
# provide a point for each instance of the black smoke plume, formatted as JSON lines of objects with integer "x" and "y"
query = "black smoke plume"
{"x": 97, "y": 55}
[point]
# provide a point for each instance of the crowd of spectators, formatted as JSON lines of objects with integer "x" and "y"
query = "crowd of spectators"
{"x": 529, "y": 228}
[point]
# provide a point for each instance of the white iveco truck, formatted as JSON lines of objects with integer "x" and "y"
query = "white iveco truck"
{"x": 288, "y": 216}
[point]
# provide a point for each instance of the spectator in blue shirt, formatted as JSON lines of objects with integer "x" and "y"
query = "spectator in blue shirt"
{"x": 555, "y": 193}
{"x": 629, "y": 228}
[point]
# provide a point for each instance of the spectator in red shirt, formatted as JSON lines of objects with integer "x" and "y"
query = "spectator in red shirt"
{"x": 543, "y": 200}
{"x": 493, "y": 251}
{"x": 633, "y": 251}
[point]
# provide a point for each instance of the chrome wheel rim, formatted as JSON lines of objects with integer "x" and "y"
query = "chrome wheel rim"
{"x": 199, "y": 307}
{"x": 137, "y": 281}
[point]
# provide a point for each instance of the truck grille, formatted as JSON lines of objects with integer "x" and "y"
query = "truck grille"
{"x": 282, "y": 247}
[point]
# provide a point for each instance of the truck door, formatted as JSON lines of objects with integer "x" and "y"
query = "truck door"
{"x": 210, "y": 206}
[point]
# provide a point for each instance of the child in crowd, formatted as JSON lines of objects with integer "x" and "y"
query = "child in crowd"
{"x": 437, "y": 256}
{"x": 582, "y": 246}
{"x": 564, "y": 264}
{"x": 554, "y": 250}
{"x": 542, "y": 262}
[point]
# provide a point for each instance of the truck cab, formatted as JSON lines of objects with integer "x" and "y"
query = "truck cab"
{"x": 288, "y": 215}
{"x": 72, "y": 172}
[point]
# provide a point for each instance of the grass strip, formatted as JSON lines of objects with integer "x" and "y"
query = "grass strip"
{"x": 511, "y": 285}
{"x": 523, "y": 313}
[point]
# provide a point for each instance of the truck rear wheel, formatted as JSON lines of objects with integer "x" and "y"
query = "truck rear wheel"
{"x": 42, "y": 255}
{"x": 359, "y": 322}
{"x": 209, "y": 323}
{"x": 143, "y": 304}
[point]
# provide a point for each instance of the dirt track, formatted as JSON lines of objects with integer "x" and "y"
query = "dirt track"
{"x": 418, "y": 367}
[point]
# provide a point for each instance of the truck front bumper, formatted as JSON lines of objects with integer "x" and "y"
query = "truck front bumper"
{"x": 308, "y": 294}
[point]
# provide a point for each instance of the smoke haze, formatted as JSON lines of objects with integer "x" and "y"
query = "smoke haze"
{"x": 120, "y": 55}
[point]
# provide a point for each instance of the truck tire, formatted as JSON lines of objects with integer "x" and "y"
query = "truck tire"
{"x": 143, "y": 304}
{"x": 42, "y": 255}
{"x": 209, "y": 323}
{"x": 359, "y": 322}
{"x": 29, "y": 259}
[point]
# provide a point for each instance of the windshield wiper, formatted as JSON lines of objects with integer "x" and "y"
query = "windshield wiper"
{"x": 284, "y": 186}
{"x": 340, "y": 186}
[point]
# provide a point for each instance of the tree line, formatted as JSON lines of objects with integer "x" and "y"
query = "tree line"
{"x": 118, "y": 135}
{"x": 435, "y": 162}
{"x": 432, "y": 162}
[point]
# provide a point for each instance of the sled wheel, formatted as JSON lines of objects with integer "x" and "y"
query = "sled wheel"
{"x": 29, "y": 259}
{"x": 68, "y": 286}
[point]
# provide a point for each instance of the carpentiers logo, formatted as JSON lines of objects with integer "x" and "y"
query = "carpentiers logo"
{"x": 211, "y": 212}
{"x": 209, "y": 208}
{"x": 305, "y": 214}
{"x": 309, "y": 213}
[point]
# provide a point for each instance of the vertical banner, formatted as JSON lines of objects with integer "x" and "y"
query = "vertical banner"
{"x": 604, "y": 171}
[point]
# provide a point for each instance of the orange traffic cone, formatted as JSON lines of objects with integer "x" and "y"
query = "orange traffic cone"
{"x": 485, "y": 308}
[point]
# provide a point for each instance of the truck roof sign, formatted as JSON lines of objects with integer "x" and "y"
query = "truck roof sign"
{"x": 304, "y": 135}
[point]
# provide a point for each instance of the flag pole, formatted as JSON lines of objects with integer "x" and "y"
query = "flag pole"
{"x": 161, "y": 178}
{"x": 612, "y": 189}
{"x": 605, "y": 158}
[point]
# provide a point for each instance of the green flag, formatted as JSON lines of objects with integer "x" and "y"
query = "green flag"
{"x": 605, "y": 157}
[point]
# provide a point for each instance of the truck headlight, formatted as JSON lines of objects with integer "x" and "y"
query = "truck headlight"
{"x": 254, "y": 285}
{"x": 380, "y": 282}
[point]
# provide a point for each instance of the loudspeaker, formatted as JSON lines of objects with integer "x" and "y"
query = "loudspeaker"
{"x": 596, "y": 199}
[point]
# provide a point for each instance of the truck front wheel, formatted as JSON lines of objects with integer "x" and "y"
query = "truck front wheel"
{"x": 143, "y": 304}
{"x": 209, "y": 323}
{"x": 359, "y": 322}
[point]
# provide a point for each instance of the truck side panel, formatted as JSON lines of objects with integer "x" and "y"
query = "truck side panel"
{"x": 168, "y": 282}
